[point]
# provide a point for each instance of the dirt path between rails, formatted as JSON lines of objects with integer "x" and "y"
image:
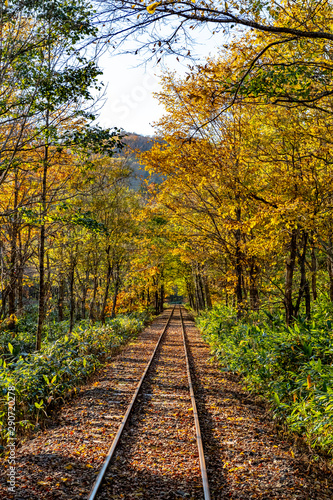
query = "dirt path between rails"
{"x": 246, "y": 460}
{"x": 158, "y": 456}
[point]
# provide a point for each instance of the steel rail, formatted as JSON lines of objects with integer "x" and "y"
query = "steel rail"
{"x": 100, "y": 477}
{"x": 196, "y": 418}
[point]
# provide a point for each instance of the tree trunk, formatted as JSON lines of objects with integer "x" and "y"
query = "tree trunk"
{"x": 330, "y": 267}
{"x": 20, "y": 292}
{"x": 148, "y": 298}
{"x": 3, "y": 288}
{"x": 307, "y": 300}
{"x": 239, "y": 275}
{"x": 84, "y": 295}
{"x": 201, "y": 291}
{"x": 198, "y": 287}
{"x": 290, "y": 267}
{"x": 107, "y": 287}
{"x": 161, "y": 297}
{"x": 13, "y": 259}
{"x": 114, "y": 301}
{"x": 196, "y": 293}
{"x": 71, "y": 294}
{"x": 61, "y": 294}
{"x": 4, "y": 296}
{"x": 304, "y": 288}
{"x": 189, "y": 288}
{"x": 330, "y": 275}
{"x": 254, "y": 292}
{"x": 208, "y": 299}
{"x": 20, "y": 272}
{"x": 116, "y": 290}
{"x": 314, "y": 268}
{"x": 156, "y": 303}
{"x": 244, "y": 288}
{"x": 41, "y": 299}
{"x": 12, "y": 280}
{"x": 92, "y": 307}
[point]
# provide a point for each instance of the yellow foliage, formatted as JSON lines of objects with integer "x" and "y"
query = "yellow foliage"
{"x": 152, "y": 7}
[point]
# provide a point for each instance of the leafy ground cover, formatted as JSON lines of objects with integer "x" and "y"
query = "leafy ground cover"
{"x": 43, "y": 379}
{"x": 291, "y": 366}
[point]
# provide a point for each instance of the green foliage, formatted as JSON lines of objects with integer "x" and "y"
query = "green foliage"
{"x": 292, "y": 82}
{"x": 43, "y": 379}
{"x": 291, "y": 366}
{"x": 96, "y": 140}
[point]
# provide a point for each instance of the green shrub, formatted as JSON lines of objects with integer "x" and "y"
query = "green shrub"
{"x": 291, "y": 366}
{"x": 42, "y": 379}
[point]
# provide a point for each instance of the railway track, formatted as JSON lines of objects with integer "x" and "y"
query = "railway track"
{"x": 165, "y": 397}
{"x": 157, "y": 456}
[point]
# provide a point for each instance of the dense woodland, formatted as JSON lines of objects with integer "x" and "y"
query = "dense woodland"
{"x": 69, "y": 211}
{"x": 230, "y": 205}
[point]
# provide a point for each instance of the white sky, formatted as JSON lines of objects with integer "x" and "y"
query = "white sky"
{"x": 129, "y": 102}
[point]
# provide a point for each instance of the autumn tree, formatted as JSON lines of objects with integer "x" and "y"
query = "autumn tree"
{"x": 300, "y": 31}
{"x": 250, "y": 183}
{"x": 46, "y": 117}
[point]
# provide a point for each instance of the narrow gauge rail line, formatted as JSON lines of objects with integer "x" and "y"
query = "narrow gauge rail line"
{"x": 112, "y": 450}
{"x": 196, "y": 417}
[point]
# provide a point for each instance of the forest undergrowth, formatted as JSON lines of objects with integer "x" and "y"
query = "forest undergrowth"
{"x": 290, "y": 366}
{"x": 41, "y": 380}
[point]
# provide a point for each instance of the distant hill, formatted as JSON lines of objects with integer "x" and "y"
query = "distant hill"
{"x": 142, "y": 143}
{"x": 136, "y": 141}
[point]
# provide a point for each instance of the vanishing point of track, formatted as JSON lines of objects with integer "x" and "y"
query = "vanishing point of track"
{"x": 98, "y": 485}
